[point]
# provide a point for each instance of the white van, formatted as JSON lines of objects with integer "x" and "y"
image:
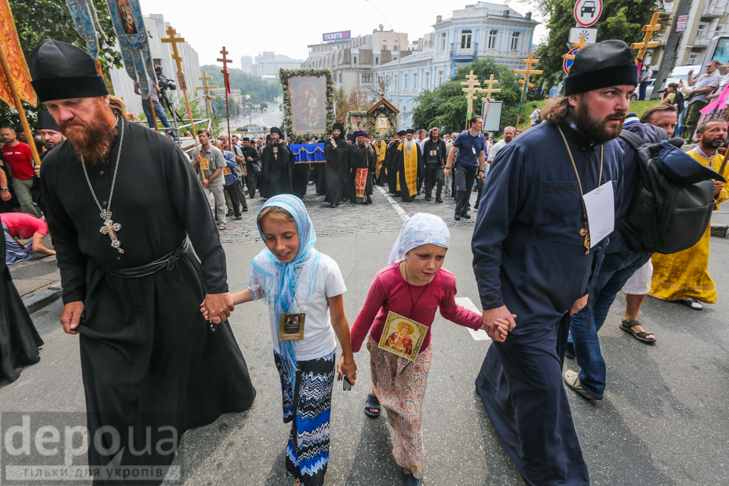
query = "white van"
{"x": 680, "y": 73}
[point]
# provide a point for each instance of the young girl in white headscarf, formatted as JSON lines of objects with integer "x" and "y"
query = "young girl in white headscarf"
{"x": 294, "y": 278}
{"x": 414, "y": 286}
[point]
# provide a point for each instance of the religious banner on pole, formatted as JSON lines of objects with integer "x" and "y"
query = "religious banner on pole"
{"x": 15, "y": 78}
{"x": 87, "y": 24}
{"x": 19, "y": 73}
{"x": 126, "y": 16}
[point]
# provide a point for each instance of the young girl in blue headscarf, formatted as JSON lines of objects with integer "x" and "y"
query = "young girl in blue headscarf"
{"x": 413, "y": 286}
{"x": 293, "y": 278}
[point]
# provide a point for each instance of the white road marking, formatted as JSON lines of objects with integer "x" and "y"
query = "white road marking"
{"x": 400, "y": 210}
{"x": 479, "y": 335}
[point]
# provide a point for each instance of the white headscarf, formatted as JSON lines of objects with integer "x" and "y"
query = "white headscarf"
{"x": 421, "y": 229}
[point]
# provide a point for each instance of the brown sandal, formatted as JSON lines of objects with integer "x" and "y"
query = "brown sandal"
{"x": 627, "y": 326}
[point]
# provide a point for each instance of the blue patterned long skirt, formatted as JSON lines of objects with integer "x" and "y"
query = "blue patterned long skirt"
{"x": 308, "y": 408}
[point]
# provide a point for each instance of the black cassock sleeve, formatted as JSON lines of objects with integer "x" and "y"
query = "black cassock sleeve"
{"x": 193, "y": 210}
{"x": 71, "y": 261}
{"x": 499, "y": 206}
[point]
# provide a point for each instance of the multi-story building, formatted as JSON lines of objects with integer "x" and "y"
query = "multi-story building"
{"x": 246, "y": 62}
{"x": 478, "y": 31}
{"x": 353, "y": 60}
{"x": 706, "y": 19}
{"x": 123, "y": 85}
{"x": 269, "y": 63}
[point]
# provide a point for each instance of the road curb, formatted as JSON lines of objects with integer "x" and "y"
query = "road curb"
{"x": 42, "y": 299}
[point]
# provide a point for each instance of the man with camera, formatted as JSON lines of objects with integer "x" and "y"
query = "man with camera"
{"x": 158, "y": 110}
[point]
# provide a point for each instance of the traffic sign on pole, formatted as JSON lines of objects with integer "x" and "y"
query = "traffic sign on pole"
{"x": 577, "y": 32}
{"x": 587, "y": 12}
{"x": 567, "y": 63}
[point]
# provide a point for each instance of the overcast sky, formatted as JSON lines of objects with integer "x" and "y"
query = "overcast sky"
{"x": 249, "y": 27}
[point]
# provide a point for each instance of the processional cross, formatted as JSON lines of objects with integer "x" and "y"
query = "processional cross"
{"x": 525, "y": 82}
{"x": 207, "y": 87}
{"x": 471, "y": 90}
{"x": 646, "y": 44}
{"x": 578, "y": 45}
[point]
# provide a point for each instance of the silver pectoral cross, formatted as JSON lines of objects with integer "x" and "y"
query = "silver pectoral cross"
{"x": 110, "y": 228}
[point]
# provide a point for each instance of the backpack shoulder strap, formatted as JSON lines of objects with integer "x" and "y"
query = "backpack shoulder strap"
{"x": 634, "y": 140}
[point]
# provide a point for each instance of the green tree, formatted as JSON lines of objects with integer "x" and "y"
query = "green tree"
{"x": 40, "y": 20}
{"x": 258, "y": 89}
{"x": 446, "y": 106}
{"x": 620, "y": 19}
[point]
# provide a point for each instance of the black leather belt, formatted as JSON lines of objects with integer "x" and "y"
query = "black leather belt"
{"x": 166, "y": 262}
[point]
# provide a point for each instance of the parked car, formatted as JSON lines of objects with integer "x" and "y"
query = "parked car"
{"x": 648, "y": 91}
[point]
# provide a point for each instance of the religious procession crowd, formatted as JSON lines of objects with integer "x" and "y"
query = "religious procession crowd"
{"x": 139, "y": 251}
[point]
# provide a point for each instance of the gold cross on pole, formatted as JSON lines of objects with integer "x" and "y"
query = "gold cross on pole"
{"x": 172, "y": 39}
{"x": 525, "y": 82}
{"x": 207, "y": 87}
{"x": 578, "y": 45}
{"x": 646, "y": 44}
{"x": 489, "y": 90}
{"x": 471, "y": 89}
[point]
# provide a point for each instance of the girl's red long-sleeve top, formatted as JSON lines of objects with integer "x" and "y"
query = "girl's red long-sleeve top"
{"x": 391, "y": 292}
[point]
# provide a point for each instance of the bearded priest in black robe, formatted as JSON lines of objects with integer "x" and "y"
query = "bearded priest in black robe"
{"x": 336, "y": 154}
{"x": 277, "y": 166}
{"x": 126, "y": 211}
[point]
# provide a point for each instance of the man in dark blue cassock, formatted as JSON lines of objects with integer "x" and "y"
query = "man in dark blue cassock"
{"x": 535, "y": 258}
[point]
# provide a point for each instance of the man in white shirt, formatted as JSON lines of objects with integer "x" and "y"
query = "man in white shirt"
{"x": 536, "y": 116}
{"x": 509, "y": 133}
{"x": 645, "y": 78}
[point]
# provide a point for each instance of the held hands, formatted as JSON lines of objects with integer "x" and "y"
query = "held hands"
{"x": 71, "y": 316}
{"x": 347, "y": 367}
{"x": 498, "y": 322}
{"x": 579, "y": 304}
{"x": 217, "y": 307}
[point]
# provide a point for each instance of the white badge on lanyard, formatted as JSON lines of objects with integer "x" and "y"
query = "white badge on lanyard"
{"x": 473, "y": 147}
{"x": 600, "y": 207}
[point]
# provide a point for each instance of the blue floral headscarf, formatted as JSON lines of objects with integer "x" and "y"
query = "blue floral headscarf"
{"x": 279, "y": 281}
{"x": 420, "y": 229}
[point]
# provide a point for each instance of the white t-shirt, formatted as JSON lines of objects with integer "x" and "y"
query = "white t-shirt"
{"x": 319, "y": 337}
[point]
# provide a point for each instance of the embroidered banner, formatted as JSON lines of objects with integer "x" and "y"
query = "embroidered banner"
{"x": 126, "y": 16}
{"x": 87, "y": 24}
{"x": 16, "y": 61}
{"x": 308, "y": 152}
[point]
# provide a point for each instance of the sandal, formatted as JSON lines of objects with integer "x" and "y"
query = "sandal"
{"x": 371, "y": 404}
{"x": 222, "y": 227}
{"x": 627, "y": 326}
{"x": 693, "y": 304}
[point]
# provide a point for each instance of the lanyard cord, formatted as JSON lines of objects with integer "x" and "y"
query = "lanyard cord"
{"x": 410, "y": 291}
{"x": 586, "y": 230}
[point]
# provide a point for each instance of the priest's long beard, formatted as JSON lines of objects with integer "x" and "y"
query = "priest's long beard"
{"x": 596, "y": 130}
{"x": 92, "y": 141}
{"x": 409, "y": 144}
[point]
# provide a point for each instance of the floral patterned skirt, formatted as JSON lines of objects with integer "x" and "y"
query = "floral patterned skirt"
{"x": 400, "y": 388}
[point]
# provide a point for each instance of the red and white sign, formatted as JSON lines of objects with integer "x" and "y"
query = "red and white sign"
{"x": 567, "y": 63}
{"x": 681, "y": 23}
{"x": 587, "y": 12}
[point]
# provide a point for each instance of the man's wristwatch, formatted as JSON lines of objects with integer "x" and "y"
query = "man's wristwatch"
{"x": 4, "y": 189}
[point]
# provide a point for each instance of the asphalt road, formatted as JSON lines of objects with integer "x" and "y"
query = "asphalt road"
{"x": 664, "y": 419}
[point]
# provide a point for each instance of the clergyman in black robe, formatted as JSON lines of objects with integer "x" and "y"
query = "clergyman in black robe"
{"x": 277, "y": 166}
{"x": 391, "y": 163}
{"x": 19, "y": 340}
{"x": 336, "y": 154}
{"x": 132, "y": 286}
{"x": 363, "y": 160}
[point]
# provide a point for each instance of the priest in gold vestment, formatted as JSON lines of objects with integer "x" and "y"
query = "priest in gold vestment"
{"x": 408, "y": 162}
{"x": 684, "y": 276}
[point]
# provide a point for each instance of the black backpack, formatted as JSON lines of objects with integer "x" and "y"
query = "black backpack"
{"x": 673, "y": 200}
{"x": 678, "y": 102}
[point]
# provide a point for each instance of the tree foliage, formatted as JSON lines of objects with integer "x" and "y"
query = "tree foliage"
{"x": 258, "y": 89}
{"x": 620, "y": 19}
{"x": 358, "y": 99}
{"x": 446, "y": 106}
{"x": 40, "y": 20}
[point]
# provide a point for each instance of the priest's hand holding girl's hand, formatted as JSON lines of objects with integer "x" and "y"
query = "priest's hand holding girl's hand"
{"x": 492, "y": 326}
{"x": 71, "y": 316}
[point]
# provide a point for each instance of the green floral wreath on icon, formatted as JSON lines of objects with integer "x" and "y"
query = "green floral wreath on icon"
{"x": 284, "y": 75}
{"x": 392, "y": 117}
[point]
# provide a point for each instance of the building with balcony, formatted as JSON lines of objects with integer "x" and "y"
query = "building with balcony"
{"x": 707, "y": 18}
{"x": 353, "y": 61}
{"x": 475, "y": 32}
